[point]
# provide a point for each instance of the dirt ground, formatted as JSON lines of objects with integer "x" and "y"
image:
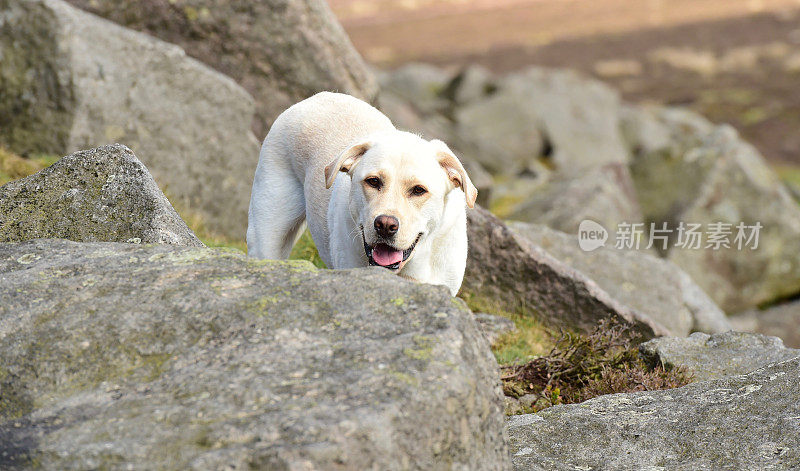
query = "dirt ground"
{"x": 735, "y": 61}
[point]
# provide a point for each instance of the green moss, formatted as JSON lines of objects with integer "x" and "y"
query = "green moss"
{"x": 530, "y": 339}
{"x": 397, "y": 301}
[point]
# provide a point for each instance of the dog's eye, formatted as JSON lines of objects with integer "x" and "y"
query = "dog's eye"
{"x": 374, "y": 182}
{"x": 418, "y": 190}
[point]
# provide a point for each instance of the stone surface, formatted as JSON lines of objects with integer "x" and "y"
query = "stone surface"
{"x": 470, "y": 83}
{"x": 578, "y": 117}
{"x": 422, "y": 86}
{"x": 537, "y": 115}
{"x": 281, "y": 51}
{"x": 739, "y": 423}
{"x": 159, "y": 357}
{"x": 686, "y": 170}
{"x": 716, "y": 356}
{"x": 494, "y": 327}
{"x": 501, "y": 131}
{"x": 604, "y": 195}
{"x": 510, "y": 272}
{"x": 512, "y": 125}
{"x": 75, "y": 81}
{"x": 647, "y": 284}
{"x": 781, "y": 321}
{"x": 104, "y": 194}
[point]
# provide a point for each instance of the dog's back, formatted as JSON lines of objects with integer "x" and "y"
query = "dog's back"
{"x": 290, "y": 180}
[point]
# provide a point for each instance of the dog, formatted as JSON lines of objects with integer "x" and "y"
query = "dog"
{"x": 370, "y": 193}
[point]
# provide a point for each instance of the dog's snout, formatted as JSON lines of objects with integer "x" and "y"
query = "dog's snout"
{"x": 386, "y": 226}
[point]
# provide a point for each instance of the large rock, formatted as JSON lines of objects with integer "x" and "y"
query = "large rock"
{"x": 686, "y": 170}
{"x": 738, "y": 423}
{"x": 73, "y": 81}
{"x": 104, "y": 194}
{"x": 511, "y": 272}
{"x": 604, "y": 195}
{"x": 781, "y": 321}
{"x": 422, "y": 86}
{"x": 652, "y": 286}
{"x": 510, "y": 124}
{"x": 716, "y": 356}
{"x": 578, "y": 118}
{"x": 539, "y": 114}
{"x": 129, "y": 357}
{"x": 281, "y": 51}
{"x": 501, "y": 132}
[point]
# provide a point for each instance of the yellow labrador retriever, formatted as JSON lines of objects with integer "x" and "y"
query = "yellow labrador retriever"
{"x": 371, "y": 194}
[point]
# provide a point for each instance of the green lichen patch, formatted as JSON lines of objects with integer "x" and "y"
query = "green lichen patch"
{"x": 422, "y": 350}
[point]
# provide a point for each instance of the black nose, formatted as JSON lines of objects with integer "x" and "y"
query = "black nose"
{"x": 386, "y": 226}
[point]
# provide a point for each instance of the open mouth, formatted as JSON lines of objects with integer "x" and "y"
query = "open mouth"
{"x": 386, "y": 256}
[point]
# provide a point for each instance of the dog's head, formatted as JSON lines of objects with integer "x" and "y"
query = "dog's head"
{"x": 400, "y": 186}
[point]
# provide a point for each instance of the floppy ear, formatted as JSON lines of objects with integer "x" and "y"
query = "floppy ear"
{"x": 456, "y": 173}
{"x": 345, "y": 162}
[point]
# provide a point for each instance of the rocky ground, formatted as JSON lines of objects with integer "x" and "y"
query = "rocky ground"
{"x": 129, "y": 344}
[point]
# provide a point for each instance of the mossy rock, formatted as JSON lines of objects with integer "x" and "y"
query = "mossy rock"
{"x": 104, "y": 194}
{"x": 163, "y": 357}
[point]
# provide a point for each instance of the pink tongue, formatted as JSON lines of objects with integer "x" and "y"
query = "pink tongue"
{"x": 384, "y": 255}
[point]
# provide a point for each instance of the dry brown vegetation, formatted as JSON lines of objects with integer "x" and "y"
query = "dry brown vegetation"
{"x": 580, "y": 367}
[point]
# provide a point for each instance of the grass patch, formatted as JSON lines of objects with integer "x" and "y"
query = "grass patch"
{"x": 790, "y": 175}
{"x": 197, "y": 224}
{"x": 580, "y": 367}
{"x": 305, "y": 249}
{"x": 503, "y": 206}
{"x": 531, "y": 339}
{"x": 14, "y": 167}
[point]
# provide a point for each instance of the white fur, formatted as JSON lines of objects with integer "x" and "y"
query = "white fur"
{"x": 290, "y": 187}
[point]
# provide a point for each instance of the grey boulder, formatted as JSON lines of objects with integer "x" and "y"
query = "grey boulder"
{"x": 511, "y": 272}
{"x": 500, "y": 132}
{"x": 74, "y": 81}
{"x": 281, "y": 51}
{"x": 578, "y": 118}
{"x": 118, "y": 356}
{"x": 687, "y": 170}
{"x": 782, "y": 320}
{"x": 493, "y": 326}
{"x": 604, "y": 195}
{"x": 104, "y": 194}
{"x": 654, "y": 287}
{"x": 422, "y": 86}
{"x": 716, "y": 356}
{"x": 742, "y": 422}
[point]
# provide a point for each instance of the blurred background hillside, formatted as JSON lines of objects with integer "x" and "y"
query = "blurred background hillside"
{"x": 734, "y": 61}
